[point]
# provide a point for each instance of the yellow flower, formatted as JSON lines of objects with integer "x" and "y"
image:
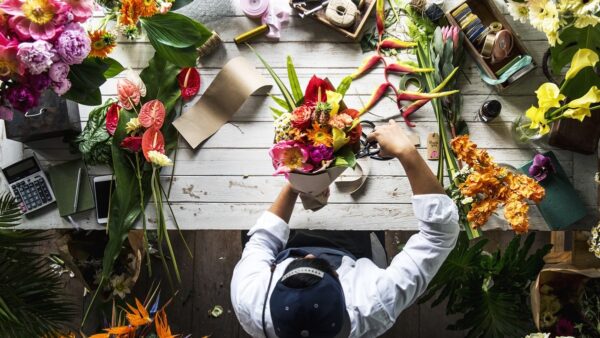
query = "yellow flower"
{"x": 319, "y": 135}
{"x": 583, "y": 58}
{"x": 548, "y": 95}
{"x": 518, "y": 11}
{"x": 159, "y": 159}
{"x": 133, "y": 125}
{"x": 583, "y": 21}
{"x": 543, "y": 15}
{"x": 39, "y": 11}
{"x": 334, "y": 99}
{"x": 580, "y": 108}
{"x": 538, "y": 119}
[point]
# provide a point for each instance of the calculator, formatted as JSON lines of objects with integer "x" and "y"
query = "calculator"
{"x": 29, "y": 185}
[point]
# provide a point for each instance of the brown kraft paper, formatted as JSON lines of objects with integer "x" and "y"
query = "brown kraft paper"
{"x": 229, "y": 90}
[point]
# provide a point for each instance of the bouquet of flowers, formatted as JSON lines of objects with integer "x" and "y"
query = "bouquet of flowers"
{"x": 573, "y": 99}
{"x": 40, "y": 40}
{"x": 316, "y": 135}
{"x": 482, "y": 186}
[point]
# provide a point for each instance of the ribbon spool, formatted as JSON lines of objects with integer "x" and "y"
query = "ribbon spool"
{"x": 254, "y": 8}
{"x": 497, "y": 46}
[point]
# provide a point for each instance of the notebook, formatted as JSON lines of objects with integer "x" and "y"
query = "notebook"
{"x": 562, "y": 206}
{"x": 63, "y": 178}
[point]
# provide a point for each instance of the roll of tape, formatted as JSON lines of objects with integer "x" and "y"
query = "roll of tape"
{"x": 468, "y": 20}
{"x": 488, "y": 44}
{"x": 503, "y": 45}
{"x": 495, "y": 26}
{"x": 460, "y": 10}
{"x": 254, "y": 8}
{"x": 476, "y": 34}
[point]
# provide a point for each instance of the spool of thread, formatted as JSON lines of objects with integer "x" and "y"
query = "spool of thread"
{"x": 489, "y": 110}
{"x": 434, "y": 12}
{"x": 260, "y": 30}
{"x": 254, "y": 8}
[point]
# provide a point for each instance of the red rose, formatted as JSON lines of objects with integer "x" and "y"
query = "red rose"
{"x": 189, "y": 82}
{"x": 301, "y": 117}
{"x": 112, "y": 118}
{"x": 132, "y": 143}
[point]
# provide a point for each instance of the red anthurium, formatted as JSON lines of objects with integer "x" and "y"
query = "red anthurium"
{"x": 112, "y": 118}
{"x": 132, "y": 143}
{"x": 152, "y": 114}
{"x": 189, "y": 82}
{"x": 316, "y": 85}
{"x": 153, "y": 140}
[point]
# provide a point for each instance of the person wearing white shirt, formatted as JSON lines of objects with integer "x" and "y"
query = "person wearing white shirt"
{"x": 312, "y": 291}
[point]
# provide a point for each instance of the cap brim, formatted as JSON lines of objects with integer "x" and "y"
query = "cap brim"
{"x": 346, "y": 327}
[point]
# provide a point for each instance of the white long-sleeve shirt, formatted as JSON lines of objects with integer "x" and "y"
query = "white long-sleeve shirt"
{"x": 374, "y": 296}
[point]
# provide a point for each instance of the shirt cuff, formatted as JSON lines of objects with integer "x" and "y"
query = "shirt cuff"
{"x": 435, "y": 208}
{"x": 272, "y": 224}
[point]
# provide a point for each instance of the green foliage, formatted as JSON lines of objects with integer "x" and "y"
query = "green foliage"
{"x": 489, "y": 290}
{"x": 87, "y": 77}
{"x": 294, "y": 83}
{"x": 344, "y": 85}
{"x": 574, "y": 39}
{"x": 288, "y": 97}
{"x": 94, "y": 142}
{"x": 180, "y": 4}
{"x": 175, "y": 37}
{"x": 32, "y": 303}
{"x": 345, "y": 157}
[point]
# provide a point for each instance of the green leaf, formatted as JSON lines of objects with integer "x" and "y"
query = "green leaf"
{"x": 286, "y": 93}
{"x": 581, "y": 83}
{"x": 177, "y": 4}
{"x": 86, "y": 79}
{"x": 175, "y": 37}
{"x": 294, "y": 83}
{"x": 574, "y": 39}
{"x": 345, "y": 157}
{"x": 281, "y": 102}
{"x": 94, "y": 142}
{"x": 114, "y": 68}
{"x": 276, "y": 113}
{"x": 344, "y": 85}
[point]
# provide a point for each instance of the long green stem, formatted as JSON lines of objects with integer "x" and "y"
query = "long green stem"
{"x": 138, "y": 173}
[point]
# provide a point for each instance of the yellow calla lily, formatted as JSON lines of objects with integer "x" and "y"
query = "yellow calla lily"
{"x": 580, "y": 108}
{"x": 583, "y": 58}
{"x": 548, "y": 95}
{"x": 538, "y": 119}
{"x": 334, "y": 100}
{"x": 339, "y": 138}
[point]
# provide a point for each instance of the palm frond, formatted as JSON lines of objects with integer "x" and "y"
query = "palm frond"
{"x": 32, "y": 303}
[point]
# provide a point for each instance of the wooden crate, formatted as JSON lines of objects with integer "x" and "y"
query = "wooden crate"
{"x": 353, "y": 32}
{"x": 572, "y": 251}
{"x": 487, "y": 11}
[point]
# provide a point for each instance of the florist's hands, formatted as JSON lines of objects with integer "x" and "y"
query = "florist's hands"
{"x": 392, "y": 140}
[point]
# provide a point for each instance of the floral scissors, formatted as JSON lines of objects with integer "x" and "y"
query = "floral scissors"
{"x": 370, "y": 149}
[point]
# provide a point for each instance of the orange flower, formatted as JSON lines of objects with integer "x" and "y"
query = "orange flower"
{"x": 103, "y": 42}
{"x": 491, "y": 186}
{"x": 320, "y": 135}
{"x": 130, "y": 12}
{"x": 148, "y": 8}
{"x": 138, "y": 317}
{"x": 162, "y": 326}
{"x": 100, "y": 335}
{"x": 120, "y": 330}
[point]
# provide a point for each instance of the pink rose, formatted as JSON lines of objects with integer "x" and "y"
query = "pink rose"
{"x": 301, "y": 117}
{"x": 129, "y": 94}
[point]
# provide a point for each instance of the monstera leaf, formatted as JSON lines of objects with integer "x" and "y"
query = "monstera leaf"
{"x": 574, "y": 39}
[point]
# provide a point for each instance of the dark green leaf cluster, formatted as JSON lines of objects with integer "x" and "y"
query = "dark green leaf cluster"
{"x": 87, "y": 77}
{"x": 94, "y": 141}
{"x": 32, "y": 303}
{"x": 490, "y": 291}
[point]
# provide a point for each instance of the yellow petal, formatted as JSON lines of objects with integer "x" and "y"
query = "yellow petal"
{"x": 583, "y": 58}
{"x": 549, "y": 95}
{"x": 592, "y": 96}
{"x": 334, "y": 99}
{"x": 578, "y": 113}
{"x": 339, "y": 139}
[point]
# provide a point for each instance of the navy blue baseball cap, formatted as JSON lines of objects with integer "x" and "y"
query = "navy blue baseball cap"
{"x": 317, "y": 311}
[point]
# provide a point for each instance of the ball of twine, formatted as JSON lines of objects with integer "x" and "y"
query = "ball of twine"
{"x": 419, "y": 5}
{"x": 210, "y": 45}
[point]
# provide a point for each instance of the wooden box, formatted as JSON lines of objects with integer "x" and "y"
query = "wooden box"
{"x": 487, "y": 11}
{"x": 353, "y": 32}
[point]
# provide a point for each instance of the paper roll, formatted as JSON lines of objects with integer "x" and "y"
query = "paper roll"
{"x": 229, "y": 90}
{"x": 254, "y": 8}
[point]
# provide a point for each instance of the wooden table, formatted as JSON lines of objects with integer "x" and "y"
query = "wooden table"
{"x": 227, "y": 182}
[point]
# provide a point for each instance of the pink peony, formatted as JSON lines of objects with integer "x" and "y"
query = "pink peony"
{"x": 34, "y": 18}
{"x": 301, "y": 117}
{"x": 37, "y": 56}
{"x": 81, "y": 9}
{"x": 289, "y": 156}
{"x": 59, "y": 71}
{"x": 74, "y": 44}
{"x": 61, "y": 87}
{"x": 129, "y": 93}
